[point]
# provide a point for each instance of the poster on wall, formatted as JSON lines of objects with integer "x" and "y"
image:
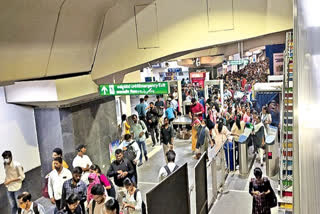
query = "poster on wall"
{"x": 112, "y": 148}
{"x": 278, "y": 63}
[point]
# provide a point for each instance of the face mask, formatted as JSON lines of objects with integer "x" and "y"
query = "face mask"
{"x": 6, "y": 160}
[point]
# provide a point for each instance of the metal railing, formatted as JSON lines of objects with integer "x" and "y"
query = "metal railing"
{"x": 220, "y": 169}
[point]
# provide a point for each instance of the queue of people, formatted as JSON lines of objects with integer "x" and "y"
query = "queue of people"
{"x": 68, "y": 190}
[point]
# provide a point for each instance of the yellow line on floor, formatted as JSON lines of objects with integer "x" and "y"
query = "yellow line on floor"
{"x": 154, "y": 151}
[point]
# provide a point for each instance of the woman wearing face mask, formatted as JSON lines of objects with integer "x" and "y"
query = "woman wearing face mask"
{"x": 93, "y": 180}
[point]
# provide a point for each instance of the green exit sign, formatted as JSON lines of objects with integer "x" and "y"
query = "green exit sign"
{"x": 134, "y": 88}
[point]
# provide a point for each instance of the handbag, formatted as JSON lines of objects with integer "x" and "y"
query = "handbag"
{"x": 271, "y": 198}
{"x": 44, "y": 190}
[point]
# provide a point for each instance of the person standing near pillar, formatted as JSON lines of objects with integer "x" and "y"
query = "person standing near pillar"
{"x": 55, "y": 182}
{"x": 14, "y": 176}
{"x": 83, "y": 161}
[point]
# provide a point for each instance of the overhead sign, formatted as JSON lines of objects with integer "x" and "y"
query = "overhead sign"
{"x": 238, "y": 62}
{"x": 134, "y": 88}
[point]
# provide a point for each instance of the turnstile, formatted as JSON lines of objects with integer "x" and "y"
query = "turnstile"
{"x": 244, "y": 152}
{"x": 272, "y": 156}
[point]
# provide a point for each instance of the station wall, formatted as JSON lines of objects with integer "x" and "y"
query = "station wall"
{"x": 18, "y": 134}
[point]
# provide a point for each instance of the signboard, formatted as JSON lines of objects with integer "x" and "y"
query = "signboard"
{"x": 134, "y": 89}
{"x": 238, "y": 62}
{"x": 278, "y": 63}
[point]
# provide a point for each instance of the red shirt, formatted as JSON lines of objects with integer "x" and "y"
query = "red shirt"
{"x": 197, "y": 108}
{"x": 243, "y": 82}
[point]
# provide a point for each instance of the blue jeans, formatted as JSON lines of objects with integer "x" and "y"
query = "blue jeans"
{"x": 143, "y": 148}
{"x": 13, "y": 201}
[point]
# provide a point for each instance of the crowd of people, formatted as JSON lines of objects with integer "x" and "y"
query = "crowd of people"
{"x": 85, "y": 189}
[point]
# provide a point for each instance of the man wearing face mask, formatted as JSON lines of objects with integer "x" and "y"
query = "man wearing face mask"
{"x": 74, "y": 186}
{"x": 55, "y": 182}
{"x": 13, "y": 180}
{"x": 26, "y": 206}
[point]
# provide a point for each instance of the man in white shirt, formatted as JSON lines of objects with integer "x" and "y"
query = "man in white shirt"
{"x": 26, "y": 206}
{"x": 83, "y": 161}
{"x": 134, "y": 160}
{"x": 170, "y": 167}
{"x": 56, "y": 179}
{"x": 14, "y": 176}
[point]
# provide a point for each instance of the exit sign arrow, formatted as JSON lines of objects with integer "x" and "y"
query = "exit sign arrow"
{"x": 104, "y": 90}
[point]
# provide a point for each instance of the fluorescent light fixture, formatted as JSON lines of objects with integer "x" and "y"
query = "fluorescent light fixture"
{"x": 311, "y": 13}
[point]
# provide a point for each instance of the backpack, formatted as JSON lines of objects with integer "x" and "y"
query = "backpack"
{"x": 130, "y": 153}
{"x": 35, "y": 208}
{"x": 111, "y": 192}
{"x": 143, "y": 125}
{"x": 168, "y": 170}
{"x": 160, "y": 112}
{"x": 143, "y": 206}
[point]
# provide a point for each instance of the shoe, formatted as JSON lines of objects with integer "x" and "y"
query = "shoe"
{"x": 146, "y": 157}
{"x": 153, "y": 145}
{"x": 140, "y": 164}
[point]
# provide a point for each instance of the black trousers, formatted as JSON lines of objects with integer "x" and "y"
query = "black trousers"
{"x": 154, "y": 130}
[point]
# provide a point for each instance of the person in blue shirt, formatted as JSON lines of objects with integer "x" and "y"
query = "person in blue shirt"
{"x": 170, "y": 113}
{"x": 141, "y": 109}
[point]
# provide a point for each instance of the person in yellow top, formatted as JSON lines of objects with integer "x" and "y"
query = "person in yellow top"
{"x": 57, "y": 152}
{"x": 125, "y": 127}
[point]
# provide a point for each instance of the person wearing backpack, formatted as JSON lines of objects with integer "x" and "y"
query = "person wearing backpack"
{"x": 170, "y": 167}
{"x": 26, "y": 206}
{"x": 97, "y": 204}
{"x": 14, "y": 175}
{"x": 138, "y": 130}
{"x": 132, "y": 152}
{"x": 133, "y": 201}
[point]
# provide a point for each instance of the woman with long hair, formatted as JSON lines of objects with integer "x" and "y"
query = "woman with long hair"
{"x": 237, "y": 130}
{"x": 259, "y": 134}
{"x": 266, "y": 118}
{"x": 125, "y": 127}
{"x": 112, "y": 206}
{"x": 221, "y": 134}
{"x": 261, "y": 190}
{"x": 103, "y": 180}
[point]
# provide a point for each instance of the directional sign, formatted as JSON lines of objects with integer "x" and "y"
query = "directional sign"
{"x": 134, "y": 88}
{"x": 238, "y": 62}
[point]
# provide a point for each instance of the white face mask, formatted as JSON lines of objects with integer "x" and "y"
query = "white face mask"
{"x": 7, "y": 160}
